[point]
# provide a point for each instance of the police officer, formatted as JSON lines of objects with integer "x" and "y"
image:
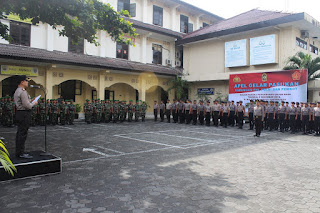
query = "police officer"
{"x": 162, "y": 107}
{"x": 270, "y": 115}
{"x": 187, "y": 111}
{"x": 317, "y": 119}
{"x": 168, "y": 110}
{"x": 215, "y": 113}
{"x": 155, "y": 110}
{"x": 250, "y": 114}
{"x": 258, "y": 117}
{"x": 232, "y": 108}
{"x": 174, "y": 111}
{"x": 292, "y": 111}
{"x": 208, "y": 112}
{"x": 282, "y": 110}
{"x": 298, "y": 118}
{"x": 194, "y": 108}
{"x": 305, "y": 118}
{"x": 201, "y": 112}
{"x": 240, "y": 112}
{"x": 225, "y": 112}
{"x": 181, "y": 112}
{"x": 23, "y": 115}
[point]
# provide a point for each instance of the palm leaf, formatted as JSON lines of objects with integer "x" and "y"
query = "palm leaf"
{"x": 5, "y": 160}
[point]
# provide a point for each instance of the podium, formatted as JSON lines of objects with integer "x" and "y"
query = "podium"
{"x": 39, "y": 165}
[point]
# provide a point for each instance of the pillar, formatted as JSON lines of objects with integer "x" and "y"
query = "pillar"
{"x": 174, "y": 18}
{"x": 48, "y": 84}
{"x": 144, "y": 49}
{"x": 50, "y": 38}
{"x": 100, "y": 89}
{"x": 145, "y": 11}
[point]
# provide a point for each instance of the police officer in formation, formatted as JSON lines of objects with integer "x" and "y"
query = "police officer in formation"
{"x": 262, "y": 115}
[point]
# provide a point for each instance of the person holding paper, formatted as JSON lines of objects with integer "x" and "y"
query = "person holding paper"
{"x": 23, "y": 115}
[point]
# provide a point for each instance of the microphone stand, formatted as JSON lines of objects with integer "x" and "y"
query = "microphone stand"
{"x": 45, "y": 122}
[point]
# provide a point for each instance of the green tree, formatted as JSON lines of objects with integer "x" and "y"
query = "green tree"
{"x": 304, "y": 61}
{"x": 5, "y": 160}
{"x": 180, "y": 86}
{"x": 81, "y": 19}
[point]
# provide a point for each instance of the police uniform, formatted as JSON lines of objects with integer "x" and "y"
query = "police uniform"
{"x": 240, "y": 113}
{"x": 216, "y": 111}
{"x": 23, "y": 118}
{"x": 201, "y": 113}
{"x": 225, "y": 111}
{"x": 174, "y": 112}
{"x": 162, "y": 110}
{"x": 187, "y": 107}
{"x": 282, "y": 110}
{"x": 250, "y": 114}
{"x": 270, "y": 110}
{"x": 232, "y": 108}
{"x": 258, "y": 116}
{"x": 155, "y": 111}
{"x": 317, "y": 119}
{"x": 168, "y": 111}
{"x": 207, "y": 110}
{"x": 292, "y": 111}
{"x": 194, "y": 108}
{"x": 305, "y": 116}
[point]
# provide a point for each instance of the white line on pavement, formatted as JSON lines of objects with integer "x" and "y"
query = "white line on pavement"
{"x": 112, "y": 150}
{"x": 95, "y": 151}
{"x": 145, "y": 141}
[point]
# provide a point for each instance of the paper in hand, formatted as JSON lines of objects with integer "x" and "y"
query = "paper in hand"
{"x": 36, "y": 99}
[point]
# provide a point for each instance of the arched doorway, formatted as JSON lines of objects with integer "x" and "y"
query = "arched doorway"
{"x": 9, "y": 86}
{"x": 121, "y": 91}
{"x": 76, "y": 90}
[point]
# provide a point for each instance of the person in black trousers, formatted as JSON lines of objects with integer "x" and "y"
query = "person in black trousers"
{"x": 258, "y": 118}
{"x": 155, "y": 110}
{"x": 23, "y": 115}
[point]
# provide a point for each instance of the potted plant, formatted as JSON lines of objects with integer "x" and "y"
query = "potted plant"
{"x": 78, "y": 109}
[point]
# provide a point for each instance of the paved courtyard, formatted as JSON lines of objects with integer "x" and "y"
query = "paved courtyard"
{"x": 160, "y": 167}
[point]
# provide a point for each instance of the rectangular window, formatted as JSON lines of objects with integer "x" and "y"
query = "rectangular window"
{"x": 157, "y": 54}
{"x": 20, "y": 33}
{"x": 184, "y": 21}
{"x": 122, "y": 51}
{"x": 94, "y": 95}
{"x": 301, "y": 43}
{"x": 157, "y": 15}
{"x": 205, "y": 24}
{"x": 124, "y": 5}
{"x": 76, "y": 47}
{"x": 78, "y": 88}
{"x": 313, "y": 49}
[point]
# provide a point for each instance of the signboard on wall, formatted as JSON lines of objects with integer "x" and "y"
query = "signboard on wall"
{"x": 289, "y": 85}
{"x": 205, "y": 91}
{"x": 236, "y": 53}
{"x": 17, "y": 70}
{"x": 263, "y": 50}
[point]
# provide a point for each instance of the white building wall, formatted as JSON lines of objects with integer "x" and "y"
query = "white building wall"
{"x": 38, "y": 36}
{"x": 2, "y": 41}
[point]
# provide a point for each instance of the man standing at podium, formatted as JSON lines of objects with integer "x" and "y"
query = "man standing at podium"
{"x": 23, "y": 115}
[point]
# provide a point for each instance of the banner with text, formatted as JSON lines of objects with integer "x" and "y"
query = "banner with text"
{"x": 289, "y": 85}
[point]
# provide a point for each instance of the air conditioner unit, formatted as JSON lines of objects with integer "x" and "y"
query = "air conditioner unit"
{"x": 178, "y": 63}
{"x": 168, "y": 62}
{"x": 304, "y": 34}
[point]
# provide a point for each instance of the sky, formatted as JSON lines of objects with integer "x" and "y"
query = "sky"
{"x": 229, "y": 8}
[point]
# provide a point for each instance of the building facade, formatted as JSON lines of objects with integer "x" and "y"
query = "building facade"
{"x": 109, "y": 71}
{"x": 211, "y": 55}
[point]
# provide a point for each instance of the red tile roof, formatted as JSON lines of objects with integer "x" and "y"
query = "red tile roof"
{"x": 244, "y": 19}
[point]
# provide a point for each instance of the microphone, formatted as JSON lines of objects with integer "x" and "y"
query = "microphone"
{"x": 35, "y": 86}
